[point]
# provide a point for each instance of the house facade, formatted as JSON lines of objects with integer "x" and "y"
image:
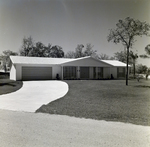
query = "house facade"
{"x": 37, "y": 68}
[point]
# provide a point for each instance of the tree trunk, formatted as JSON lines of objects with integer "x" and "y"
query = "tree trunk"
{"x": 127, "y": 66}
{"x": 134, "y": 68}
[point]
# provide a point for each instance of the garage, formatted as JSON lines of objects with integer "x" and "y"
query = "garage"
{"x": 84, "y": 72}
{"x": 36, "y": 73}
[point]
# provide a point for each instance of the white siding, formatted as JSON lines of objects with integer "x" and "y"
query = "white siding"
{"x": 78, "y": 72}
{"x": 18, "y": 72}
{"x": 13, "y": 72}
{"x": 56, "y": 70}
{"x": 90, "y": 62}
{"x": 113, "y": 71}
{"x": 106, "y": 72}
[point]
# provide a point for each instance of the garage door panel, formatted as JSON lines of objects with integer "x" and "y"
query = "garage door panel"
{"x": 36, "y": 73}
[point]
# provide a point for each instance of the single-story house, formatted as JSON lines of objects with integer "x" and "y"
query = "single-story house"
{"x": 39, "y": 68}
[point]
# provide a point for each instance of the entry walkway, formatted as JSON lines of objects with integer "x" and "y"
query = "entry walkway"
{"x": 33, "y": 95}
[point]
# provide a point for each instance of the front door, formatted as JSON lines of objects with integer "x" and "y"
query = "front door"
{"x": 84, "y": 72}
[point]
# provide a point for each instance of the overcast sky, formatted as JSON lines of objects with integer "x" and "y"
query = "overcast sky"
{"x": 68, "y": 23}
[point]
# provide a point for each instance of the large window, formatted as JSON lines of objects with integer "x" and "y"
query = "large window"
{"x": 121, "y": 72}
{"x": 69, "y": 72}
{"x": 97, "y": 73}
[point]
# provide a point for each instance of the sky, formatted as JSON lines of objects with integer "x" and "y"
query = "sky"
{"x": 68, "y": 23}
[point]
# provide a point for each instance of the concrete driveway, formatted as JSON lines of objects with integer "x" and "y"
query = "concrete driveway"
{"x": 33, "y": 95}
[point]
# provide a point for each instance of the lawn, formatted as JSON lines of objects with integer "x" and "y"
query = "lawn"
{"x": 8, "y": 86}
{"x": 109, "y": 100}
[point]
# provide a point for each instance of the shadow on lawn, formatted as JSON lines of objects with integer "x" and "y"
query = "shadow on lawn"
{"x": 142, "y": 86}
{"x": 8, "y": 84}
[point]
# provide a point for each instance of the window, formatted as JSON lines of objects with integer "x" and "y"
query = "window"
{"x": 100, "y": 72}
{"x": 121, "y": 72}
{"x": 69, "y": 72}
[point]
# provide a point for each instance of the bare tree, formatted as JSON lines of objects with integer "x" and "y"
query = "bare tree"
{"x": 103, "y": 57}
{"x": 80, "y": 52}
{"x": 70, "y": 54}
{"x": 89, "y": 50}
{"x": 126, "y": 32}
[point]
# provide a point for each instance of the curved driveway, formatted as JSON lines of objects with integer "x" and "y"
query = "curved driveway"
{"x": 33, "y": 95}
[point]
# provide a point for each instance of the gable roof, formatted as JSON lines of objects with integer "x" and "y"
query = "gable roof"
{"x": 115, "y": 63}
{"x": 58, "y": 61}
{"x": 38, "y": 60}
{"x": 42, "y": 60}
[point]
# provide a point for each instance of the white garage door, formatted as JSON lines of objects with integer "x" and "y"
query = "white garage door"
{"x": 36, "y": 73}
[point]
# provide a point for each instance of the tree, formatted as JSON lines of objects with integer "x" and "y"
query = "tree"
{"x": 89, "y": 50}
{"x": 6, "y": 60}
{"x": 134, "y": 59}
{"x": 122, "y": 56}
{"x": 147, "y": 50}
{"x": 141, "y": 69}
{"x": 79, "y": 52}
{"x": 38, "y": 49}
{"x": 27, "y": 46}
{"x": 70, "y": 54}
{"x": 104, "y": 57}
{"x": 47, "y": 51}
{"x": 126, "y": 32}
{"x": 56, "y": 52}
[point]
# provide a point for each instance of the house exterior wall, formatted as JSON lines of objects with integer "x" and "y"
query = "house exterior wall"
{"x": 113, "y": 71}
{"x": 97, "y": 69}
{"x": 106, "y": 72}
{"x": 90, "y": 62}
{"x": 56, "y": 70}
{"x": 13, "y": 72}
{"x": 18, "y": 72}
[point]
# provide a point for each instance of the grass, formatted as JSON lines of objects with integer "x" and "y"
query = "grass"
{"x": 108, "y": 100}
{"x": 8, "y": 86}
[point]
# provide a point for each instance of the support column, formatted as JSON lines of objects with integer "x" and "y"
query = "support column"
{"x": 78, "y": 72}
{"x": 62, "y": 73}
{"x": 96, "y": 72}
